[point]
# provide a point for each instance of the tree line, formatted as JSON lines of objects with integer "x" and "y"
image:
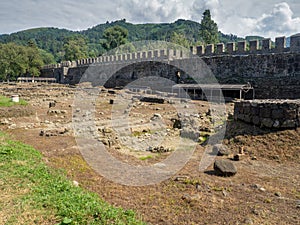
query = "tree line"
{"x": 51, "y": 45}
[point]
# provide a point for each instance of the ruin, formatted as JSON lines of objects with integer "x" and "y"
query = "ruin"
{"x": 275, "y": 114}
{"x": 274, "y": 72}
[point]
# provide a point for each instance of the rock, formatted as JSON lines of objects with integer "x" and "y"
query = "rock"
{"x": 75, "y": 183}
{"x": 51, "y": 104}
{"x": 248, "y": 221}
{"x": 225, "y": 193}
{"x": 298, "y": 204}
{"x": 4, "y": 121}
{"x": 237, "y": 157}
{"x": 181, "y": 178}
{"x": 278, "y": 194}
{"x": 221, "y": 150}
{"x": 176, "y": 123}
{"x": 190, "y": 198}
{"x": 224, "y": 168}
{"x": 262, "y": 189}
{"x": 157, "y": 115}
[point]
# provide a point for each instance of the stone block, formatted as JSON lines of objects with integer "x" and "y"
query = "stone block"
{"x": 253, "y": 45}
{"x": 266, "y": 44}
{"x": 265, "y": 112}
{"x": 209, "y": 49}
{"x": 280, "y": 43}
{"x": 220, "y": 48}
{"x": 267, "y": 122}
{"x": 225, "y": 168}
{"x": 200, "y": 50}
{"x": 256, "y": 120}
{"x": 277, "y": 114}
{"x": 295, "y": 43}
{"x": 230, "y": 47}
{"x": 241, "y": 47}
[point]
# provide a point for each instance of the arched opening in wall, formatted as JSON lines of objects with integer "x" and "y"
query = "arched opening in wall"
{"x": 153, "y": 71}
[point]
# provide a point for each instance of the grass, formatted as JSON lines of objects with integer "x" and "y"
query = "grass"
{"x": 6, "y": 102}
{"x": 33, "y": 193}
{"x": 143, "y": 158}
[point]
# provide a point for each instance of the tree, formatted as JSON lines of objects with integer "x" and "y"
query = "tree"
{"x": 75, "y": 48}
{"x": 114, "y": 37}
{"x": 209, "y": 29}
{"x": 16, "y": 60}
{"x": 13, "y": 61}
{"x": 180, "y": 39}
{"x": 34, "y": 60}
{"x": 47, "y": 57}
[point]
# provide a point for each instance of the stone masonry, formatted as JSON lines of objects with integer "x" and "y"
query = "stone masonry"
{"x": 274, "y": 72}
{"x": 275, "y": 114}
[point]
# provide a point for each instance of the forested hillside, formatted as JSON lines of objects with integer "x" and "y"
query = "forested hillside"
{"x": 55, "y": 41}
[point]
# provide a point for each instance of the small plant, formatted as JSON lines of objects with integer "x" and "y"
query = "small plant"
{"x": 49, "y": 194}
{"x": 146, "y": 157}
{"x": 7, "y": 102}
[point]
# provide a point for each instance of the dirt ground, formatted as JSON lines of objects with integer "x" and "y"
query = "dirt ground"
{"x": 265, "y": 190}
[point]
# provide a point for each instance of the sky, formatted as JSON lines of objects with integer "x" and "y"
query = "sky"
{"x": 267, "y": 18}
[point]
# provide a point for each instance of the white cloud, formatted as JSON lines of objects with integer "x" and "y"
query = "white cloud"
{"x": 243, "y": 19}
{"x": 279, "y": 21}
{"x": 267, "y": 18}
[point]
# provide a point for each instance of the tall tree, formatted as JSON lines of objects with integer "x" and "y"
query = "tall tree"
{"x": 209, "y": 29}
{"x": 13, "y": 61}
{"x": 75, "y": 48}
{"x": 114, "y": 37}
{"x": 34, "y": 60}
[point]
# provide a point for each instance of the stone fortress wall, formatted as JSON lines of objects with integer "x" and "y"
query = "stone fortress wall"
{"x": 274, "y": 72}
{"x": 274, "y": 114}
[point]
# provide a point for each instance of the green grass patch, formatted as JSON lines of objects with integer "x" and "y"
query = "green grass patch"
{"x": 6, "y": 102}
{"x": 29, "y": 187}
{"x": 146, "y": 157}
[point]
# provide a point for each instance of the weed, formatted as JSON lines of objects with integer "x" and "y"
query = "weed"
{"x": 146, "y": 157}
{"x": 6, "y": 102}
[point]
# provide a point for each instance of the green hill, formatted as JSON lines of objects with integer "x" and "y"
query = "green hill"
{"x": 53, "y": 39}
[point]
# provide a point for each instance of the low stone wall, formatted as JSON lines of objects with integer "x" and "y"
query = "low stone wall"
{"x": 277, "y": 114}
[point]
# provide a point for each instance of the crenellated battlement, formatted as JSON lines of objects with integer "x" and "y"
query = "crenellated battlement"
{"x": 252, "y": 47}
{"x": 240, "y": 48}
{"x": 156, "y": 55}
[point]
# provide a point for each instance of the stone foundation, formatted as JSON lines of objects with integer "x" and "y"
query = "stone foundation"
{"x": 276, "y": 114}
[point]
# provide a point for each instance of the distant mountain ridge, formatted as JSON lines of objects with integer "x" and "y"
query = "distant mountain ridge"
{"x": 53, "y": 39}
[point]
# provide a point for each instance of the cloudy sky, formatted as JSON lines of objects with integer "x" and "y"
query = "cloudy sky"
{"x": 268, "y": 18}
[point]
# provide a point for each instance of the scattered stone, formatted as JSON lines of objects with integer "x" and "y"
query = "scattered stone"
{"x": 176, "y": 123}
{"x": 153, "y": 100}
{"x": 111, "y": 101}
{"x": 52, "y": 104}
{"x": 160, "y": 149}
{"x": 278, "y": 194}
{"x": 54, "y": 132}
{"x": 225, "y": 168}
{"x": 4, "y": 121}
{"x": 237, "y": 157}
{"x": 262, "y": 189}
{"x": 75, "y": 183}
{"x": 248, "y": 221}
{"x": 298, "y": 204}
{"x": 181, "y": 178}
{"x": 225, "y": 193}
{"x": 190, "y": 198}
{"x": 221, "y": 150}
